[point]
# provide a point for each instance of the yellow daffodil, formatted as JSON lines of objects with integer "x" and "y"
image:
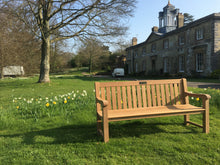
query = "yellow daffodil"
{"x": 47, "y": 105}
{"x": 197, "y": 99}
{"x": 54, "y": 102}
{"x": 68, "y": 97}
{"x": 17, "y": 107}
{"x": 65, "y": 101}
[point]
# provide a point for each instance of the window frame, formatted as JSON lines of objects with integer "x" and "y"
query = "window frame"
{"x": 144, "y": 51}
{"x": 153, "y": 47}
{"x": 165, "y": 65}
{"x": 199, "y": 62}
{"x": 166, "y": 44}
{"x": 181, "y": 40}
{"x": 181, "y": 64}
{"x": 199, "y": 34}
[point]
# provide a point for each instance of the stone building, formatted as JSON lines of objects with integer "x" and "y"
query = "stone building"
{"x": 175, "y": 48}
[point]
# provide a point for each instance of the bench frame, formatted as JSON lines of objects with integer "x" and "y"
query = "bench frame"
{"x": 163, "y": 95}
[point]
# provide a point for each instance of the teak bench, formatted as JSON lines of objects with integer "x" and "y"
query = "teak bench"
{"x": 127, "y": 100}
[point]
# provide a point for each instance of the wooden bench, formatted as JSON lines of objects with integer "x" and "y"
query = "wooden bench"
{"x": 128, "y": 100}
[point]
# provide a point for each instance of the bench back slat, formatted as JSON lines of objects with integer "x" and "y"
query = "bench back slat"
{"x": 153, "y": 95}
{"x": 176, "y": 94}
{"x": 171, "y": 93}
{"x": 167, "y": 94}
{"x": 158, "y": 95}
{"x": 119, "y": 97}
{"x": 124, "y": 99}
{"x": 138, "y": 94}
{"x": 129, "y": 97}
{"x": 148, "y": 96}
{"x": 134, "y": 98}
{"x": 139, "y": 97}
{"x": 108, "y": 92}
{"x": 143, "y": 88}
{"x": 114, "y": 106}
{"x": 162, "y": 94}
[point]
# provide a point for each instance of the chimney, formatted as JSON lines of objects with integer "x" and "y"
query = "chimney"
{"x": 155, "y": 29}
{"x": 134, "y": 41}
{"x": 180, "y": 20}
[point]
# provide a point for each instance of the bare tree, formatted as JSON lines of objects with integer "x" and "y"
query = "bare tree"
{"x": 93, "y": 54}
{"x": 72, "y": 18}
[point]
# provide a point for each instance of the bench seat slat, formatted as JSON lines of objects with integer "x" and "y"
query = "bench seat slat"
{"x": 160, "y": 110}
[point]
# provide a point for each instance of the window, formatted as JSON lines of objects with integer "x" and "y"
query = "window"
{"x": 181, "y": 63}
{"x": 165, "y": 65}
{"x": 144, "y": 65}
{"x": 199, "y": 34}
{"x": 166, "y": 44}
{"x": 153, "y": 65}
{"x": 136, "y": 67}
{"x": 181, "y": 40}
{"x": 153, "y": 47}
{"x": 129, "y": 55}
{"x": 135, "y": 53}
{"x": 143, "y": 51}
{"x": 199, "y": 62}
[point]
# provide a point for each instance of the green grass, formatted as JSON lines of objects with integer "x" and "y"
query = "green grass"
{"x": 72, "y": 139}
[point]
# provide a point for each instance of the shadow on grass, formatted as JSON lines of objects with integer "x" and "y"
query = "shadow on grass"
{"x": 87, "y": 133}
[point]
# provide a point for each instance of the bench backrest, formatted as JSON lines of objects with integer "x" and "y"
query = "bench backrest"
{"x": 138, "y": 94}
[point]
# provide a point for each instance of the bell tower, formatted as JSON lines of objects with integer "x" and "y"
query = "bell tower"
{"x": 167, "y": 18}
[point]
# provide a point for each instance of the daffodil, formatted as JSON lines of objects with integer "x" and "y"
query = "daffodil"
{"x": 47, "y": 105}
{"x": 54, "y": 103}
{"x": 197, "y": 99}
{"x": 17, "y": 107}
{"x": 65, "y": 101}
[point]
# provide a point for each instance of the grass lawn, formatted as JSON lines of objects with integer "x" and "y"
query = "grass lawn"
{"x": 55, "y": 123}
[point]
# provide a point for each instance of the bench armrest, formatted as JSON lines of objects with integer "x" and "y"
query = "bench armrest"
{"x": 103, "y": 102}
{"x": 202, "y": 96}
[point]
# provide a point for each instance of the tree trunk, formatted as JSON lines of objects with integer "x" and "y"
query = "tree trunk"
{"x": 45, "y": 61}
{"x": 90, "y": 63}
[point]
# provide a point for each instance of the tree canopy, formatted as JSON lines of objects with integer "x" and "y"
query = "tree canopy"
{"x": 188, "y": 18}
{"x": 55, "y": 20}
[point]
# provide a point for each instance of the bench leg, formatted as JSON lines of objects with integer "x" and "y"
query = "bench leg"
{"x": 99, "y": 124}
{"x": 206, "y": 116}
{"x": 106, "y": 130}
{"x": 186, "y": 119}
{"x": 206, "y": 122}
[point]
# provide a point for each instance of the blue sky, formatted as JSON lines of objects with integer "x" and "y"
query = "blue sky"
{"x": 147, "y": 11}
